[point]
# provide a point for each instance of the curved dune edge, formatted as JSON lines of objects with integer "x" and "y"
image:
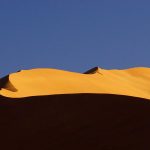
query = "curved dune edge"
{"x": 43, "y": 81}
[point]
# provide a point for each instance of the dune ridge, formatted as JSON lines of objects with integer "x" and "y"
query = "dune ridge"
{"x": 45, "y": 81}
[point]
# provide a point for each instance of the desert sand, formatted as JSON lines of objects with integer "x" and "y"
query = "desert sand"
{"x": 37, "y": 82}
{"x": 49, "y": 109}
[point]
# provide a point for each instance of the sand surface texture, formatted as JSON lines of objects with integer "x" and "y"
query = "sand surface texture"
{"x": 37, "y": 82}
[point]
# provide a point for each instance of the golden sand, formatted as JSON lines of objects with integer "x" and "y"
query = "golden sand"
{"x": 132, "y": 82}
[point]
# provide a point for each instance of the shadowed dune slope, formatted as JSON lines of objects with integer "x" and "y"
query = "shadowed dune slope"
{"x": 75, "y": 121}
{"x": 36, "y": 82}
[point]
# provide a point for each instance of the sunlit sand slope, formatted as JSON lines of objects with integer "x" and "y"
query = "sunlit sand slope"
{"x": 35, "y": 82}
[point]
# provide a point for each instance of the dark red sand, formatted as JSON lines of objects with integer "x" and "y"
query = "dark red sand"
{"x": 75, "y": 122}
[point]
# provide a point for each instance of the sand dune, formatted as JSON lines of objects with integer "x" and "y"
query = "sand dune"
{"x": 49, "y": 109}
{"x": 131, "y": 82}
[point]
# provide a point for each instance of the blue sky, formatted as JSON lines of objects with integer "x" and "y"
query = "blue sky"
{"x": 74, "y": 35}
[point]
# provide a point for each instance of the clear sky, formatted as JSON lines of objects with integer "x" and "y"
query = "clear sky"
{"x": 74, "y": 35}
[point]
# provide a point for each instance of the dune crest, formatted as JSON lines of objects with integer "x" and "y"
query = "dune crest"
{"x": 93, "y": 71}
{"x": 43, "y": 81}
{"x": 6, "y": 84}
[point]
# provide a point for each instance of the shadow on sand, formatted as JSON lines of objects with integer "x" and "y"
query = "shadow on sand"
{"x": 6, "y": 84}
{"x": 75, "y": 122}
